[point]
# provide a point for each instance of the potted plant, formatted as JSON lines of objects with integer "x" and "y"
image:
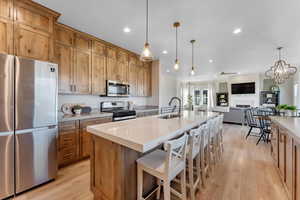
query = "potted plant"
{"x": 77, "y": 109}
{"x": 290, "y": 110}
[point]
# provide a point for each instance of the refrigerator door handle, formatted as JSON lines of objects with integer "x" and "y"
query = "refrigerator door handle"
{"x": 34, "y": 129}
{"x": 6, "y": 133}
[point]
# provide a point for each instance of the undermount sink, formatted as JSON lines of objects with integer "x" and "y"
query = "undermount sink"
{"x": 169, "y": 116}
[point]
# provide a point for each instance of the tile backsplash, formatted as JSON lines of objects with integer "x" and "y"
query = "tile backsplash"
{"x": 94, "y": 101}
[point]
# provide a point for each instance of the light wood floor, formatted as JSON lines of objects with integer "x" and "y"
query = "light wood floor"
{"x": 246, "y": 172}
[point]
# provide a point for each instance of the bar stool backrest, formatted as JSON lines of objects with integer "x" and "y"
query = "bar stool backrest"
{"x": 213, "y": 126}
{"x": 251, "y": 121}
{"x": 176, "y": 152}
{"x": 195, "y": 140}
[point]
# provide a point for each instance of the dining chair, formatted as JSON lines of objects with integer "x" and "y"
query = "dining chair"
{"x": 251, "y": 121}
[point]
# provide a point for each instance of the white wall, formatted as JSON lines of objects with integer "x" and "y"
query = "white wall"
{"x": 168, "y": 87}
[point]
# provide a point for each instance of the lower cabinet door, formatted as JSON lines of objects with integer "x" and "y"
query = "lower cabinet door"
{"x": 282, "y": 155}
{"x": 289, "y": 164}
{"x": 85, "y": 149}
{"x": 297, "y": 171}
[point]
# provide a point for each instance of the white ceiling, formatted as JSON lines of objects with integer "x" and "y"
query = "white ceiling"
{"x": 266, "y": 24}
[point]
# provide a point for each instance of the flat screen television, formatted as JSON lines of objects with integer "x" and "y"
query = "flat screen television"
{"x": 243, "y": 88}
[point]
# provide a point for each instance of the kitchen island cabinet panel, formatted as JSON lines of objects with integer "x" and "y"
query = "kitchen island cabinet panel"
{"x": 288, "y": 157}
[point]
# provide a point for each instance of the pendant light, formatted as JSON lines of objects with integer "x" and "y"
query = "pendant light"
{"x": 176, "y": 65}
{"x": 281, "y": 71}
{"x": 146, "y": 55}
{"x": 193, "y": 68}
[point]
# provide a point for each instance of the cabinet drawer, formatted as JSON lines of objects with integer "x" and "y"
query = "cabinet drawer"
{"x": 68, "y": 139}
{"x": 67, "y": 126}
{"x": 89, "y": 122}
{"x": 67, "y": 156}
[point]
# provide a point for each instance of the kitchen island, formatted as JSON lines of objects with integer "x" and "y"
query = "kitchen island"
{"x": 116, "y": 146}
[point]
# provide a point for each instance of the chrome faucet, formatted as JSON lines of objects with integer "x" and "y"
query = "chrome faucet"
{"x": 180, "y": 104}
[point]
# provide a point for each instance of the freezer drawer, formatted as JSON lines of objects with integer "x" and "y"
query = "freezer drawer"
{"x": 6, "y": 164}
{"x": 36, "y": 157}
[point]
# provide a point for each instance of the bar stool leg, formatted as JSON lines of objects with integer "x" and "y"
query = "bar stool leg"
{"x": 191, "y": 178}
{"x": 140, "y": 184}
{"x": 199, "y": 170}
{"x": 158, "y": 190}
{"x": 167, "y": 190}
{"x": 183, "y": 184}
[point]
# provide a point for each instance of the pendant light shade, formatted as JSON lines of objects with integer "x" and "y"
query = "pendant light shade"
{"x": 193, "y": 68}
{"x": 176, "y": 65}
{"x": 146, "y": 54}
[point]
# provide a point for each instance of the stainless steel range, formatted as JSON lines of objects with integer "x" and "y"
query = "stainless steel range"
{"x": 119, "y": 109}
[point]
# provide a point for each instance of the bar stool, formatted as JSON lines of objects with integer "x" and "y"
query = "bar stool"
{"x": 193, "y": 153}
{"x": 204, "y": 153}
{"x": 213, "y": 131}
{"x": 165, "y": 166}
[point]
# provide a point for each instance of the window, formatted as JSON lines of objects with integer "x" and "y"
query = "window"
{"x": 205, "y": 97}
{"x": 197, "y": 97}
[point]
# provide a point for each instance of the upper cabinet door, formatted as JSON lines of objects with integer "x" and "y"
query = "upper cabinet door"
{"x": 64, "y": 58}
{"x": 132, "y": 76}
{"x": 34, "y": 26}
{"x": 83, "y": 43}
{"x": 140, "y": 74}
{"x": 64, "y": 35}
{"x": 6, "y": 36}
{"x": 33, "y": 44}
{"x": 111, "y": 64}
{"x": 147, "y": 79}
{"x": 6, "y": 9}
{"x": 82, "y": 72}
{"x": 98, "y": 68}
{"x": 122, "y": 66}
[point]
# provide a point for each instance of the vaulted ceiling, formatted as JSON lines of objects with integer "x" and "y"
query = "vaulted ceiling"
{"x": 265, "y": 25}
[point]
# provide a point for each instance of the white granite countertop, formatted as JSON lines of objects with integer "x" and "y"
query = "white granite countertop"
{"x": 292, "y": 124}
{"x": 144, "y": 134}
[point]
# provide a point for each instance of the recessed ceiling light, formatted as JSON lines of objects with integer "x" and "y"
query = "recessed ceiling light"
{"x": 165, "y": 52}
{"x": 237, "y": 31}
{"x": 168, "y": 70}
{"x": 126, "y": 30}
{"x": 211, "y": 61}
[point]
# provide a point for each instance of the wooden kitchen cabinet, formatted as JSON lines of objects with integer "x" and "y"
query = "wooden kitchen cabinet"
{"x": 82, "y": 72}
{"x": 289, "y": 163}
{"x": 296, "y": 194}
{"x": 85, "y": 137}
{"x": 33, "y": 30}
{"x": 281, "y": 156}
{"x": 64, "y": 58}
{"x": 147, "y": 79}
{"x": 6, "y": 39}
{"x": 74, "y": 55}
{"x": 132, "y": 75}
{"x": 111, "y": 64}
{"x": 68, "y": 143}
{"x": 140, "y": 81}
{"x": 122, "y": 65}
{"x": 98, "y": 68}
{"x": 74, "y": 142}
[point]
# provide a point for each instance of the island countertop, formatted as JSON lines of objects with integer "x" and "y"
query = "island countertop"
{"x": 144, "y": 134}
{"x": 292, "y": 124}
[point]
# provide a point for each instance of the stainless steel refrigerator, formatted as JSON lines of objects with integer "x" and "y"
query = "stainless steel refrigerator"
{"x": 28, "y": 124}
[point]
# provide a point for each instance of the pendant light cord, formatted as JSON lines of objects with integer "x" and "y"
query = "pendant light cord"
{"x": 147, "y": 20}
{"x": 192, "y": 55}
{"x": 176, "y": 43}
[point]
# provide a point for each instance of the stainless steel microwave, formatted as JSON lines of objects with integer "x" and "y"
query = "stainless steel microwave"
{"x": 117, "y": 89}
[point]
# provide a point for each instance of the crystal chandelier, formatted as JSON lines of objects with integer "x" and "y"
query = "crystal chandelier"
{"x": 281, "y": 71}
